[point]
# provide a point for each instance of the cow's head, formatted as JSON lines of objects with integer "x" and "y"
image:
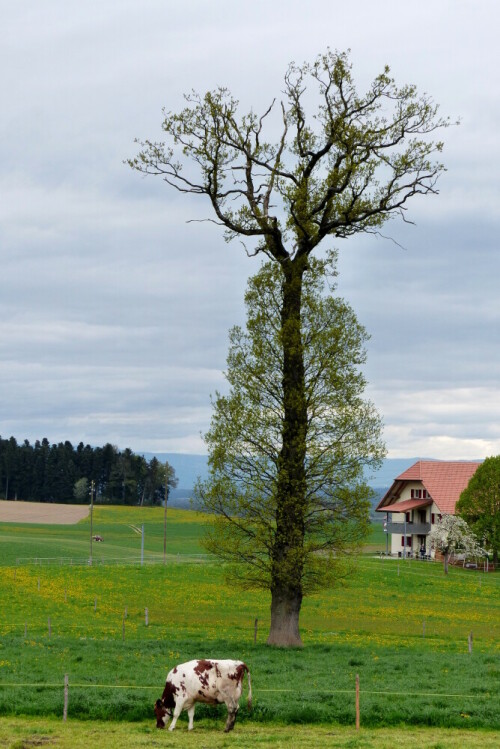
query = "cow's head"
{"x": 161, "y": 711}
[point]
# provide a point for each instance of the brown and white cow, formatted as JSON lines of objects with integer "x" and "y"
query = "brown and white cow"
{"x": 204, "y": 680}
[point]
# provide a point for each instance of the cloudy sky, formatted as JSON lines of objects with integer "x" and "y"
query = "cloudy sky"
{"x": 114, "y": 310}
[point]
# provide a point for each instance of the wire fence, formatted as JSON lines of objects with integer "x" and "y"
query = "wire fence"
{"x": 357, "y": 692}
{"x": 86, "y": 562}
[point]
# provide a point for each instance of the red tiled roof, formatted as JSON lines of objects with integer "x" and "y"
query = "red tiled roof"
{"x": 408, "y": 504}
{"x": 444, "y": 480}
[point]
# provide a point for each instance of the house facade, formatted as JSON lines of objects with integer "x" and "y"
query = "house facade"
{"x": 417, "y": 500}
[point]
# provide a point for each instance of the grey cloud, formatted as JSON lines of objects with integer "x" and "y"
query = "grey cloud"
{"x": 115, "y": 311}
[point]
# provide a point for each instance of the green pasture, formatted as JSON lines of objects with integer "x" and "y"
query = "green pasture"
{"x": 120, "y": 528}
{"x": 400, "y": 624}
{"x": 32, "y": 732}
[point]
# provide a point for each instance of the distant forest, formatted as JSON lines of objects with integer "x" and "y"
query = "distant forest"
{"x": 62, "y": 473}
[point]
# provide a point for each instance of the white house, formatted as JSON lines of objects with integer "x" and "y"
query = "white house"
{"x": 418, "y": 498}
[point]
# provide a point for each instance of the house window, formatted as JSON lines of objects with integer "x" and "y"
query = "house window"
{"x": 408, "y": 517}
{"x": 433, "y": 518}
{"x": 419, "y": 494}
{"x": 408, "y": 540}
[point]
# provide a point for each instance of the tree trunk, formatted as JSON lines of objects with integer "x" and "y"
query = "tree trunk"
{"x": 285, "y": 610}
{"x": 446, "y": 557}
{"x": 287, "y": 561}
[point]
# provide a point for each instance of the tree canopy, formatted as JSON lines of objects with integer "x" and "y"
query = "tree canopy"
{"x": 348, "y": 167}
{"x": 343, "y": 436}
{"x": 479, "y": 504}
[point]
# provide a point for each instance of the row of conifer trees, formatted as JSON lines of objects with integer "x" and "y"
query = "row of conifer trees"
{"x": 44, "y": 472}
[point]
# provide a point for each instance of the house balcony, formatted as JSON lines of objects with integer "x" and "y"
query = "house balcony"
{"x": 411, "y": 529}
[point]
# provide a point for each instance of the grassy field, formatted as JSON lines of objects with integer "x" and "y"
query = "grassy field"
{"x": 401, "y": 625}
{"x": 28, "y": 733}
{"x": 119, "y": 526}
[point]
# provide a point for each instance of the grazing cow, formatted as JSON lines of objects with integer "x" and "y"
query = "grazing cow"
{"x": 206, "y": 681}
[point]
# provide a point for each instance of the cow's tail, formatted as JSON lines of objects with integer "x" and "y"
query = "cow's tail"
{"x": 249, "y": 698}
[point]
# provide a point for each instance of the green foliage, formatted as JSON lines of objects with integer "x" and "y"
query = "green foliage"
{"x": 245, "y": 440}
{"x": 61, "y": 473}
{"x": 347, "y": 166}
{"x": 81, "y": 490}
{"x": 479, "y": 504}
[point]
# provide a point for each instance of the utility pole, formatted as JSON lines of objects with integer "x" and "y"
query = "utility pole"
{"x": 165, "y": 517}
{"x": 404, "y": 547}
{"x": 92, "y": 487}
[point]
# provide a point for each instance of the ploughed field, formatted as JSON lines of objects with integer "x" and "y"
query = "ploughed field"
{"x": 402, "y": 626}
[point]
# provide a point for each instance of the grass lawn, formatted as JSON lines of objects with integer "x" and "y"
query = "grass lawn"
{"x": 401, "y": 625}
{"x": 17, "y": 733}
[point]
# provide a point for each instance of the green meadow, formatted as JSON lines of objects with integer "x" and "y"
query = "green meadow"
{"x": 401, "y": 625}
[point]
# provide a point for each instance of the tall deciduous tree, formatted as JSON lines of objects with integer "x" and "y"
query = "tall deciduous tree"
{"x": 349, "y": 167}
{"x": 342, "y": 438}
{"x": 479, "y": 504}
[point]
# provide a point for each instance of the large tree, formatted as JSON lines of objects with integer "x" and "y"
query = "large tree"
{"x": 346, "y": 168}
{"x": 245, "y": 442}
{"x": 479, "y": 504}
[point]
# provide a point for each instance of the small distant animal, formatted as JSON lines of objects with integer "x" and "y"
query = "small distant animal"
{"x": 98, "y": 538}
{"x": 204, "y": 680}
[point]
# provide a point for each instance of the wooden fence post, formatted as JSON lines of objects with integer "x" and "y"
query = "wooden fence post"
{"x": 146, "y": 616}
{"x": 357, "y": 702}
{"x": 255, "y": 625}
{"x": 66, "y": 697}
{"x": 470, "y": 642}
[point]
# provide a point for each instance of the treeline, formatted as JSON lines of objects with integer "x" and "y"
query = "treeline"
{"x": 63, "y": 473}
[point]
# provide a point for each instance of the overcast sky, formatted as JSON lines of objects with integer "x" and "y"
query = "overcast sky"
{"x": 114, "y": 310}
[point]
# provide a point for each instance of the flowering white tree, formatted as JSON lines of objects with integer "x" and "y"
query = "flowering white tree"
{"x": 453, "y": 534}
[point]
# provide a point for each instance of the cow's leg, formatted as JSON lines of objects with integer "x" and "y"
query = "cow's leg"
{"x": 232, "y": 709}
{"x": 178, "y": 710}
{"x": 191, "y": 717}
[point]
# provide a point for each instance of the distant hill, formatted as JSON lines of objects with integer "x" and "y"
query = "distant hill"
{"x": 189, "y": 467}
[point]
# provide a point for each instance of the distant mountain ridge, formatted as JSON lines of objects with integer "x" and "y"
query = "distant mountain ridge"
{"x": 189, "y": 467}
